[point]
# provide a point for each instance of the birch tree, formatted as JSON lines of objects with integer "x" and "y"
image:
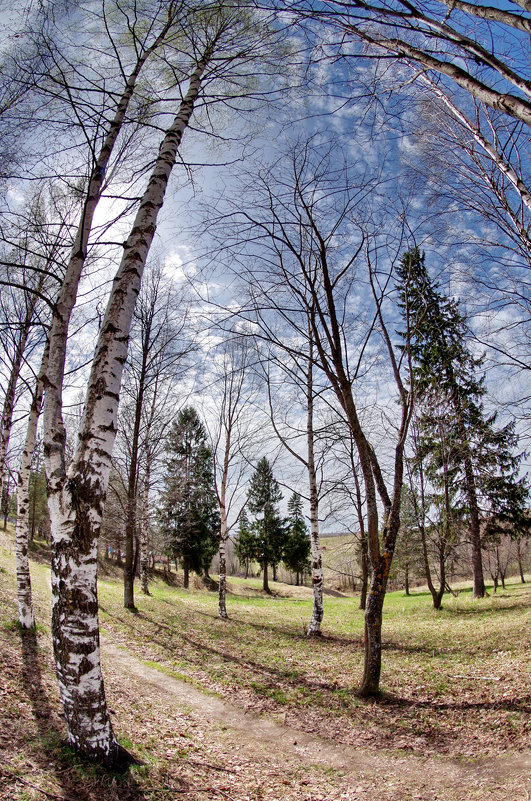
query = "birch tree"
{"x": 231, "y": 436}
{"x": 480, "y": 49}
{"x": 223, "y": 41}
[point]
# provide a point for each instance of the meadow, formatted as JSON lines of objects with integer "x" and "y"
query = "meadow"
{"x": 455, "y": 683}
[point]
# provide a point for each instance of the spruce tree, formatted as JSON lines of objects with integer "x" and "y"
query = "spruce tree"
{"x": 297, "y": 547}
{"x": 245, "y": 545}
{"x": 267, "y": 526}
{"x": 188, "y": 513}
{"x": 445, "y": 378}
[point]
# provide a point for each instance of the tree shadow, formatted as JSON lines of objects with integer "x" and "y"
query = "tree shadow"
{"x": 71, "y": 769}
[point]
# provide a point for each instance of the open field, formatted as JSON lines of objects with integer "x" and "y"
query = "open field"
{"x": 456, "y": 691}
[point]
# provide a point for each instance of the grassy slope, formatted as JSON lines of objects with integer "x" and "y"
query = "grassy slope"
{"x": 456, "y": 682}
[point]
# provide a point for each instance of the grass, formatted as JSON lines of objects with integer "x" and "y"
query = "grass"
{"x": 455, "y": 682}
{"x": 450, "y": 679}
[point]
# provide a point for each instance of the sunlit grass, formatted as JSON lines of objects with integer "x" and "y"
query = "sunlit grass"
{"x": 464, "y": 668}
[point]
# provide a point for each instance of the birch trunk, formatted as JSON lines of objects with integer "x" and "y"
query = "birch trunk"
{"x": 76, "y": 498}
{"x": 8, "y": 407}
{"x": 26, "y": 616}
{"x": 222, "y": 593}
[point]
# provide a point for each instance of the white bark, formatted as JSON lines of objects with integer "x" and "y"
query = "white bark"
{"x": 496, "y": 157}
{"x": 76, "y": 498}
{"x": 26, "y": 616}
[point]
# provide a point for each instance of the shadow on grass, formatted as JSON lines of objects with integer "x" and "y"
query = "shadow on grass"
{"x": 291, "y": 677}
{"x": 77, "y": 776}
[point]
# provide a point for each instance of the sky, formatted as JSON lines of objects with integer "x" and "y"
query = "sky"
{"x": 375, "y": 140}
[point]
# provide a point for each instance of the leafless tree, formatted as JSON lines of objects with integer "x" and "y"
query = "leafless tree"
{"x": 306, "y": 248}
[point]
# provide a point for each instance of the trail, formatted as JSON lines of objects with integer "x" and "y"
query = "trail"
{"x": 503, "y": 777}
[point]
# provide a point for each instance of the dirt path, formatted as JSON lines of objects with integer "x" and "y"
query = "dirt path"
{"x": 246, "y": 738}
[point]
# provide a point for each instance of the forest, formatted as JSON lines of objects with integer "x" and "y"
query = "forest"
{"x": 264, "y": 366}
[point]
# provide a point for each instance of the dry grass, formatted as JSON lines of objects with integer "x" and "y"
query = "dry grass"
{"x": 456, "y": 683}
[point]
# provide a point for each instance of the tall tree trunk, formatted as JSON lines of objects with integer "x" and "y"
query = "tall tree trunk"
{"x": 406, "y": 579}
{"x": 144, "y": 550}
{"x": 222, "y": 591}
{"x": 6, "y": 419}
{"x": 76, "y": 497}
{"x": 222, "y": 604}
{"x": 25, "y": 603}
{"x": 314, "y": 629}
{"x": 519, "y": 558}
{"x": 475, "y": 535}
{"x": 186, "y": 576}
{"x": 364, "y": 572}
{"x": 370, "y": 684}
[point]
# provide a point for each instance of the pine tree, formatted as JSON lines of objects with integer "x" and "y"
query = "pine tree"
{"x": 188, "y": 514}
{"x": 444, "y": 375}
{"x": 296, "y": 556}
{"x": 267, "y": 527}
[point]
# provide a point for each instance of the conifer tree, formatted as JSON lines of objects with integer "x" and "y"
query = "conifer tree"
{"x": 445, "y": 376}
{"x": 267, "y": 526}
{"x": 188, "y": 514}
{"x": 298, "y": 545}
{"x": 245, "y": 543}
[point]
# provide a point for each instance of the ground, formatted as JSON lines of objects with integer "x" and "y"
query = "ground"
{"x": 277, "y": 733}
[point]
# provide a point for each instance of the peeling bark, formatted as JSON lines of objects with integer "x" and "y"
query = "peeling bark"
{"x": 76, "y": 497}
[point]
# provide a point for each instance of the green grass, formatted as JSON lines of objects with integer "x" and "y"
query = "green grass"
{"x": 454, "y": 681}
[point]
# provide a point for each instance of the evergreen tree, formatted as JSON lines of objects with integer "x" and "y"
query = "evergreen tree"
{"x": 296, "y": 556}
{"x": 480, "y": 464}
{"x": 267, "y": 527}
{"x": 245, "y": 545}
{"x": 188, "y": 514}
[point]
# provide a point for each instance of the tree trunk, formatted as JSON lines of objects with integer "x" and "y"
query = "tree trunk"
{"x": 144, "y": 550}
{"x": 314, "y": 629}
{"x": 25, "y": 603}
{"x": 186, "y": 579}
{"x": 6, "y": 419}
{"x": 519, "y": 558}
{"x": 222, "y": 590}
{"x": 406, "y": 579}
{"x": 76, "y": 497}
{"x": 475, "y": 535}
{"x": 370, "y": 685}
{"x": 222, "y": 605}
{"x": 265, "y": 581}
{"x": 129, "y": 574}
